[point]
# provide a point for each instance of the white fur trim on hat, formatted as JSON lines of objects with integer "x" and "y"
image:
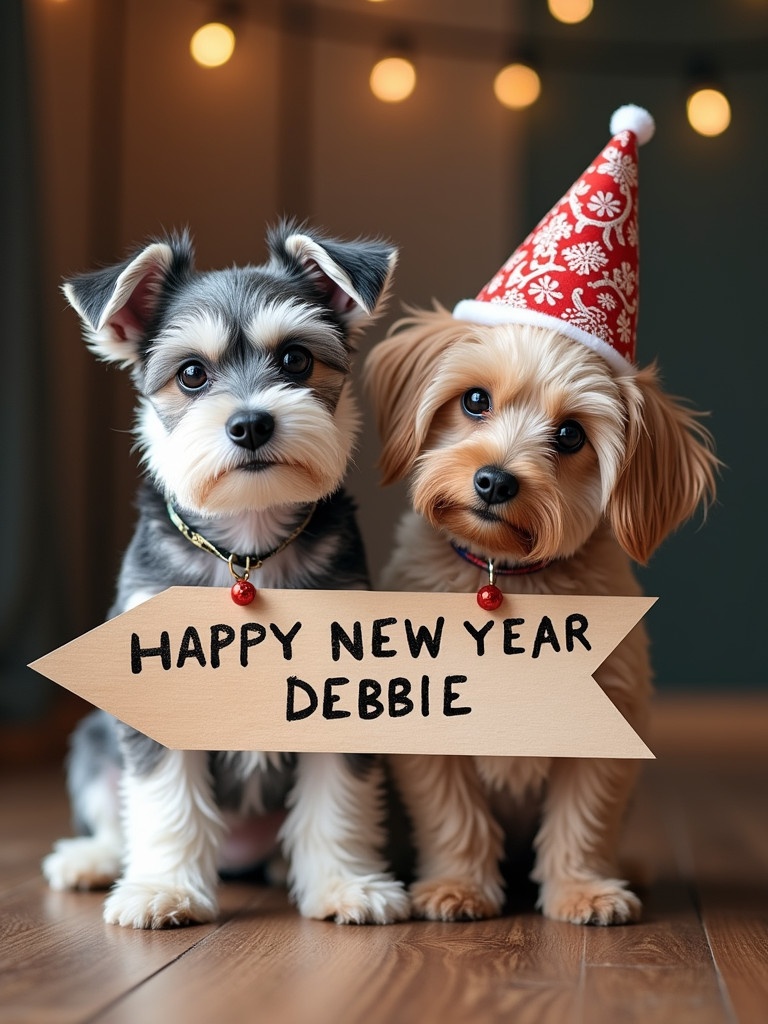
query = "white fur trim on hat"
{"x": 493, "y": 313}
{"x": 631, "y": 118}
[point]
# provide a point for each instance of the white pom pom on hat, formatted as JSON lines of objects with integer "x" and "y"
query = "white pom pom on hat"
{"x": 633, "y": 119}
{"x": 577, "y": 271}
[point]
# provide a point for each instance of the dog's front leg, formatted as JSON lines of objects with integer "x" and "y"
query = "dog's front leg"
{"x": 172, "y": 834}
{"x": 458, "y": 842}
{"x": 333, "y": 837}
{"x": 576, "y": 844}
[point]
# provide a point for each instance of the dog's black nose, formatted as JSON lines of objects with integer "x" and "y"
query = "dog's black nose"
{"x": 250, "y": 429}
{"x": 495, "y": 485}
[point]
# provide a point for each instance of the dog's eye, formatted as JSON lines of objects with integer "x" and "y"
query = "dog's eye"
{"x": 192, "y": 377}
{"x": 296, "y": 361}
{"x": 475, "y": 402}
{"x": 569, "y": 437}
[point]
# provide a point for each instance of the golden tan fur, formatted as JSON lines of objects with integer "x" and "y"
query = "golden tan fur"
{"x": 646, "y": 466}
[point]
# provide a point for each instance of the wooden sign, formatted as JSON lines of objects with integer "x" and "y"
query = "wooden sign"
{"x": 355, "y": 671}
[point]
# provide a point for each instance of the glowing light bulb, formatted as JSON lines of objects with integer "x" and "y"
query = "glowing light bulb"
{"x": 709, "y": 112}
{"x": 570, "y": 12}
{"x": 212, "y": 45}
{"x": 393, "y": 79}
{"x": 517, "y": 86}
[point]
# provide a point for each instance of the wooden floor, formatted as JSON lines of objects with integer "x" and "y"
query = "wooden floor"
{"x": 698, "y": 832}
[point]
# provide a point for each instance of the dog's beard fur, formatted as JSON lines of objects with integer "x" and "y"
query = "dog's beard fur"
{"x": 183, "y": 437}
{"x": 561, "y": 497}
{"x": 194, "y": 462}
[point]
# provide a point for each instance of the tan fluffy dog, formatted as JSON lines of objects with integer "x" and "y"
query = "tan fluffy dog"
{"x": 527, "y": 447}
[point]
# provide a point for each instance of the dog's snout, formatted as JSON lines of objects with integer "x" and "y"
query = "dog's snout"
{"x": 495, "y": 485}
{"x": 250, "y": 429}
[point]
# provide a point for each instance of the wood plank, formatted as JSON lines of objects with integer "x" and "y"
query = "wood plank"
{"x": 60, "y": 963}
{"x": 670, "y": 934}
{"x": 34, "y": 812}
{"x": 736, "y": 923}
{"x": 684, "y": 995}
{"x": 698, "y": 829}
{"x": 660, "y": 969}
{"x": 723, "y": 843}
{"x": 296, "y": 970}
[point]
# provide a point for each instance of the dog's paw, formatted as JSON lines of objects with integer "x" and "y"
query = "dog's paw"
{"x": 599, "y": 901}
{"x": 83, "y": 863}
{"x": 454, "y": 899}
{"x": 370, "y": 899}
{"x": 148, "y": 904}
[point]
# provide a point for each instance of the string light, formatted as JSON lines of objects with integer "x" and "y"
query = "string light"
{"x": 393, "y": 79}
{"x": 517, "y": 86}
{"x": 212, "y": 45}
{"x": 570, "y": 12}
{"x": 709, "y": 112}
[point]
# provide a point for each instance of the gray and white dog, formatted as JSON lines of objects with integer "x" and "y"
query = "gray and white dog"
{"x": 246, "y": 423}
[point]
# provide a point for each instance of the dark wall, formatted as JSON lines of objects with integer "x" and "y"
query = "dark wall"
{"x": 702, "y": 213}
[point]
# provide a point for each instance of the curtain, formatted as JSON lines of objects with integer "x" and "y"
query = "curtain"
{"x": 27, "y": 526}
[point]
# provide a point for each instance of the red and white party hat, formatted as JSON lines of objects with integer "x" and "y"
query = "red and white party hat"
{"x": 578, "y": 269}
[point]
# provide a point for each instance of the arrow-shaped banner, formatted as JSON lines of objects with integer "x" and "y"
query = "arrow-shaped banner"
{"x": 347, "y": 671}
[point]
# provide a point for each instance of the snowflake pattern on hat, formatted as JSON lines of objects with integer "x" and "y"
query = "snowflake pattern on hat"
{"x": 578, "y": 269}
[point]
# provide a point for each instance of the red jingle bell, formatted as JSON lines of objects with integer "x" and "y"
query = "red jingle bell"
{"x": 489, "y": 597}
{"x": 243, "y": 592}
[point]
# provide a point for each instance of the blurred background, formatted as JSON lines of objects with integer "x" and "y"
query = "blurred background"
{"x": 113, "y": 131}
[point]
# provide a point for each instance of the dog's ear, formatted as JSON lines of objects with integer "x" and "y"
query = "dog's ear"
{"x": 396, "y": 375}
{"x": 351, "y": 278}
{"x": 117, "y": 304}
{"x": 670, "y": 467}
